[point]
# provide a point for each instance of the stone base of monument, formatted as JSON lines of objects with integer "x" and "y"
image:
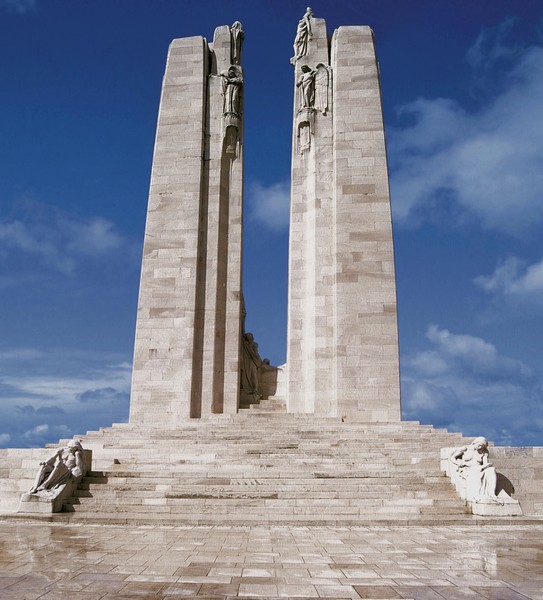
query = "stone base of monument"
{"x": 264, "y": 466}
{"x": 51, "y": 501}
{"x": 505, "y": 506}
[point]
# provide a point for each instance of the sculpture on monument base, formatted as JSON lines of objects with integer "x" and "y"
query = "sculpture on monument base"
{"x": 56, "y": 479}
{"x": 476, "y": 480}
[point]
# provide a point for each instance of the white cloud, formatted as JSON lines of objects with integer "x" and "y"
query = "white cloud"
{"x": 474, "y": 354}
{"x": 488, "y": 163}
{"x": 463, "y": 383}
{"x": 66, "y": 390}
{"x": 5, "y": 438}
{"x": 491, "y": 46}
{"x": 20, "y": 354}
{"x": 37, "y": 431}
{"x": 94, "y": 237}
{"x": 45, "y": 243}
{"x": 515, "y": 281}
{"x": 18, "y": 6}
{"x": 270, "y": 206}
{"x": 57, "y": 239}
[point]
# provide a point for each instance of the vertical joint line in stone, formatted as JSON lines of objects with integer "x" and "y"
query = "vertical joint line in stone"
{"x": 201, "y": 274}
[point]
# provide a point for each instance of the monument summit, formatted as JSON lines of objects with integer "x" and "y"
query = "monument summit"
{"x": 217, "y": 435}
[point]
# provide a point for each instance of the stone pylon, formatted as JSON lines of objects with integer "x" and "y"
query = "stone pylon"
{"x": 342, "y": 355}
{"x": 186, "y": 357}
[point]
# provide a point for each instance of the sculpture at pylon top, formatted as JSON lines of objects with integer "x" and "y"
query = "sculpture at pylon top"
{"x": 303, "y": 35}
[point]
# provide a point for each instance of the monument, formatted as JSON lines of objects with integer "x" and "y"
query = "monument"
{"x": 216, "y": 434}
{"x": 342, "y": 357}
{"x": 215, "y": 439}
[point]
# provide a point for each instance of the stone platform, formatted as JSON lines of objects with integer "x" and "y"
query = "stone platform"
{"x": 93, "y": 562}
{"x": 266, "y": 467}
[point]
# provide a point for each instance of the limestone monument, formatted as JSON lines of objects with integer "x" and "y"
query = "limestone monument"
{"x": 192, "y": 355}
{"x": 186, "y": 454}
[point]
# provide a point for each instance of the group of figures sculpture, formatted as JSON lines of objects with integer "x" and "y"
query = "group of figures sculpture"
{"x": 254, "y": 371}
{"x": 313, "y": 88}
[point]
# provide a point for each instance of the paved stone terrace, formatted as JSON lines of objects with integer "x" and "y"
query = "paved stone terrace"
{"x": 94, "y": 562}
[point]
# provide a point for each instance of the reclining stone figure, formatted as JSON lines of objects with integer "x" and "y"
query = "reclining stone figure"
{"x": 56, "y": 480}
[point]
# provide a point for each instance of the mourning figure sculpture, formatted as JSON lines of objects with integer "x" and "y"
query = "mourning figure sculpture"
{"x": 57, "y": 479}
{"x": 474, "y": 468}
{"x": 477, "y": 482}
{"x": 65, "y": 465}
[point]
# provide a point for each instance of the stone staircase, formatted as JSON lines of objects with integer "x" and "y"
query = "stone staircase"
{"x": 264, "y": 466}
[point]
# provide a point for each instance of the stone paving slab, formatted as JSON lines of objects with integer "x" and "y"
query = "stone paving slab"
{"x": 58, "y": 561}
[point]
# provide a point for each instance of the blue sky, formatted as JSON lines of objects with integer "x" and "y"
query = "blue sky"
{"x": 462, "y": 85}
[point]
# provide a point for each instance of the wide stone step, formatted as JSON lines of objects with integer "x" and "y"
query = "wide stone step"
{"x": 355, "y": 484}
{"x": 211, "y": 516}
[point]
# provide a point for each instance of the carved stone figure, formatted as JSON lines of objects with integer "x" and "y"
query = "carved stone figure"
{"x": 232, "y": 85}
{"x": 250, "y": 364}
{"x": 473, "y": 466}
{"x": 306, "y": 88}
{"x": 303, "y": 35}
{"x": 236, "y": 40}
{"x": 65, "y": 465}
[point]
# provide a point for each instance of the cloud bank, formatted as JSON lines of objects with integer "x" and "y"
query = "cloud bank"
{"x": 89, "y": 392}
{"x": 465, "y": 384}
{"x": 57, "y": 240}
{"x": 515, "y": 282}
{"x": 485, "y": 164}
